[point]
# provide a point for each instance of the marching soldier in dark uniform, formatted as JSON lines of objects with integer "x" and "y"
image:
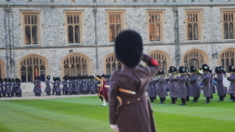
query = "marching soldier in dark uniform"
{"x": 76, "y": 86}
{"x": 18, "y": 90}
{"x": 181, "y": 83}
{"x": 231, "y": 90}
{"x": 85, "y": 85}
{"x": 54, "y": 87}
{"x": 57, "y": 86}
{"x": 161, "y": 87}
{"x": 206, "y": 83}
{"x": 194, "y": 87}
{"x": 70, "y": 88}
{"x": 220, "y": 86}
{"x": 187, "y": 84}
{"x": 13, "y": 87}
{"x": 2, "y": 88}
{"x": 133, "y": 114}
{"x": 8, "y": 87}
{"x": 48, "y": 87}
{"x": 172, "y": 86}
{"x": 37, "y": 89}
{"x": 151, "y": 92}
{"x": 65, "y": 85}
{"x": 211, "y": 83}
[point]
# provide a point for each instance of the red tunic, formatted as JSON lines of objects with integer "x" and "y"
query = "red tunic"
{"x": 103, "y": 91}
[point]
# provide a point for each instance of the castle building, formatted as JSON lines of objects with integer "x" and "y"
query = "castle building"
{"x": 76, "y": 37}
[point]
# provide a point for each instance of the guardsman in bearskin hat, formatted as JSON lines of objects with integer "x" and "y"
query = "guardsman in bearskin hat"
{"x": 70, "y": 88}
{"x": 231, "y": 78}
{"x": 48, "y": 87}
{"x": 76, "y": 86}
{"x": 161, "y": 88}
{"x": 206, "y": 83}
{"x": 7, "y": 86}
{"x": 181, "y": 84}
{"x": 54, "y": 87}
{"x": 211, "y": 83}
{"x": 92, "y": 85}
{"x": 1, "y": 87}
{"x": 13, "y": 87}
{"x": 220, "y": 86}
{"x": 151, "y": 90}
{"x": 187, "y": 84}
{"x": 65, "y": 85}
{"x": 37, "y": 84}
{"x": 102, "y": 91}
{"x": 57, "y": 86}
{"x": 194, "y": 88}
{"x": 128, "y": 86}
{"x": 18, "y": 89}
{"x": 172, "y": 84}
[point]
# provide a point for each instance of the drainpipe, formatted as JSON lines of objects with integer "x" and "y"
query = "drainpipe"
{"x": 177, "y": 43}
{"x": 96, "y": 41}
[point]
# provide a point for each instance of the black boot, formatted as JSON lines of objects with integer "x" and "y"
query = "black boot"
{"x": 0, "y": 95}
{"x": 207, "y": 100}
{"x": 212, "y": 96}
{"x": 194, "y": 100}
{"x": 12, "y": 94}
{"x": 183, "y": 101}
{"x": 187, "y": 99}
{"x": 8, "y": 95}
{"x": 231, "y": 97}
{"x": 4, "y": 95}
{"x": 221, "y": 98}
{"x": 151, "y": 99}
{"x": 161, "y": 101}
{"x": 173, "y": 100}
{"x": 53, "y": 93}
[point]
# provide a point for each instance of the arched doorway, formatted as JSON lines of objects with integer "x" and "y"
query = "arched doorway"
{"x": 2, "y": 71}
{"x": 32, "y": 66}
{"x": 75, "y": 64}
{"x": 195, "y": 58}
{"x": 111, "y": 64}
{"x": 226, "y": 58}
{"x": 162, "y": 58}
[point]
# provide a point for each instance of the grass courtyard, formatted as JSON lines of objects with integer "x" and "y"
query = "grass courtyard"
{"x": 85, "y": 114}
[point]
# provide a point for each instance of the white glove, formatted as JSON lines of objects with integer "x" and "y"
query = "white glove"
{"x": 114, "y": 128}
{"x": 94, "y": 75}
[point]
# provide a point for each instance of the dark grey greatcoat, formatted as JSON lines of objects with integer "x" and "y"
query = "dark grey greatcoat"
{"x": 7, "y": 88}
{"x": 54, "y": 87}
{"x": 91, "y": 85}
{"x": 81, "y": 84}
{"x": 151, "y": 92}
{"x": 48, "y": 87}
{"x": 135, "y": 115}
{"x": 206, "y": 84}
{"x": 13, "y": 87}
{"x": 187, "y": 84}
{"x": 70, "y": 89}
{"x": 57, "y": 87}
{"x": 76, "y": 86}
{"x": 2, "y": 88}
{"x": 173, "y": 89}
{"x": 85, "y": 85}
{"x": 231, "y": 89}
{"x": 220, "y": 85}
{"x": 211, "y": 85}
{"x": 65, "y": 86}
{"x": 161, "y": 87}
{"x": 194, "y": 88}
{"x": 18, "y": 89}
{"x": 182, "y": 88}
{"x": 37, "y": 87}
{"x": 155, "y": 85}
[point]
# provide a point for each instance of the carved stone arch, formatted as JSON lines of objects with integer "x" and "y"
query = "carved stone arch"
{"x": 32, "y": 65}
{"x": 2, "y": 69}
{"x": 111, "y": 64}
{"x": 194, "y": 57}
{"x": 75, "y": 64}
{"x": 226, "y": 58}
{"x": 162, "y": 57}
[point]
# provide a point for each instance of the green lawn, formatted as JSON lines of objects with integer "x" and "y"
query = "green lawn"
{"x": 85, "y": 114}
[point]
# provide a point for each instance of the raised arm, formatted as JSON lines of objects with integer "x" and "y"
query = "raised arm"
{"x": 153, "y": 65}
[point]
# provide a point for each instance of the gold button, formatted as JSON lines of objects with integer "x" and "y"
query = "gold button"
{"x": 138, "y": 99}
{"x": 128, "y": 102}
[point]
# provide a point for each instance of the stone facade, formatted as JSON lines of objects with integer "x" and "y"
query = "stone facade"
{"x": 54, "y": 48}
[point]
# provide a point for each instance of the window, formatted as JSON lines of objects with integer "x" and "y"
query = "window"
{"x": 193, "y": 22}
{"x": 155, "y": 25}
{"x": 115, "y": 24}
{"x": 228, "y": 22}
{"x": 227, "y": 58}
{"x": 31, "y": 67}
{"x": 75, "y": 65}
{"x": 162, "y": 60}
{"x": 73, "y": 27}
{"x": 194, "y": 58}
{"x": 31, "y": 28}
{"x": 112, "y": 64}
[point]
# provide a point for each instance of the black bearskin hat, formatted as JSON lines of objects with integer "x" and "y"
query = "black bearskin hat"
{"x": 231, "y": 68}
{"x": 54, "y": 79}
{"x": 129, "y": 48}
{"x": 205, "y": 67}
{"x": 58, "y": 78}
{"x": 210, "y": 70}
{"x": 103, "y": 76}
{"x": 218, "y": 70}
{"x": 161, "y": 72}
{"x": 13, "y": 79}
{"x": 172, "y": 69}
{"x": 182, "y": 69}
{"x": 193, "y": 69}
{"x": 186, "y": 69}
{"x": 1, "y": 80}
{"x": 48, "y": 77}
{"x": 9, "y": 80}
{"x": 5, "y": 79}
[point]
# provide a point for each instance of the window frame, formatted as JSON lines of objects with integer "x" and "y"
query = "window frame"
{"x": 123, "y": 20}
{"x": 162, "y": 25}
{"x": 81, "y": 25}
{"x": 39, "y": 25}
{"x": 222, "y": 22}
{"x": 199, "y": 12}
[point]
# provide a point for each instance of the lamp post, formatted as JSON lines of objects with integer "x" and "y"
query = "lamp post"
{"x": 215, "y": 55}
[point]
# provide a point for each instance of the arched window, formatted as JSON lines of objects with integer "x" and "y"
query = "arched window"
{"x": 162, "y": 60}
{"x": 194, "y": 58}
{"x": 227, "y": 58}
{"x": 31, "y": 67}
{"x": 75, "y": 65}
{"x": 228, "y": 25}
{"x": 112, "y": 64}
